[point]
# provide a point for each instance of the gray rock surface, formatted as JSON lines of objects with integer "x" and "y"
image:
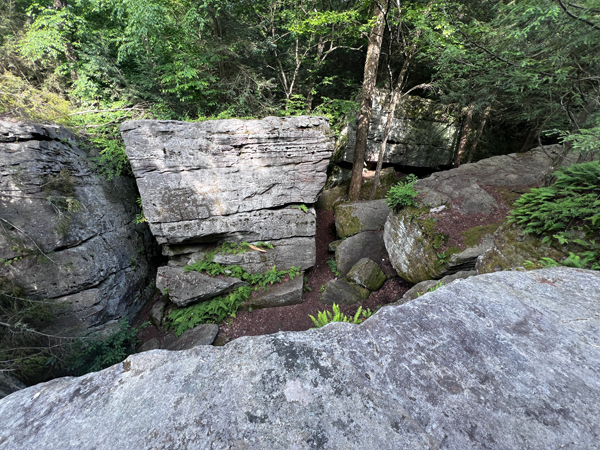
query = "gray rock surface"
{"x": 262, "y": 225}
{"x": 421, "y": 134}
{"x": 352, "y": 218}
{"x": 189, "y": 172}
{"x": 503, "y": 361}
{"x": 191, "y": 287}
{"x": 91, "y": 259}
{"x": 367, "y": 274}
{"x": 343, "y": 292}
{"x": 424, "y": 286}
{"x": 368, "y": 244}
{"x": 298, "y": 252}
{"x": 157, "y": 312}
{"x": 204, "y": 334}
{"x": 465, "y": 193}
{"x": 283, "y": 294}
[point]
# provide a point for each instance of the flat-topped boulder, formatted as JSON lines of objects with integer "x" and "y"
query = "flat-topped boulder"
{"x": 190, "y": 172}
{"x": 503, "y": 361}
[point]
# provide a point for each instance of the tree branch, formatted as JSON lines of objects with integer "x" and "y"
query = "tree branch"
{"x": 581, "y": 19}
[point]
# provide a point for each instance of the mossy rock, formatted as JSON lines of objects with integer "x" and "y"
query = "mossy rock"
{"x": 515, "y": 249}
{"x": 367, "y": 274}
{"x": 352, "y": 218}
{"x": 341, "y": 291}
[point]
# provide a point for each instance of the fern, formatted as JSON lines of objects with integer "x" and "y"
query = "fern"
{"x": 561, "y": 213}
{"x": 333, "y": 266}
{"x": 325, "y": 317}
{"x": 402, "y": 194}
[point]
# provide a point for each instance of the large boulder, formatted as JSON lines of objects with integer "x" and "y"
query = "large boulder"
{"x": 213, "y": 177}
{"x": 368, "y": 244}
{"x": 456, "y": 213}
{"x": 500, "y": 361}
{"x": 352, "y": 218}
{"x": 232, "y": 181}
{"x": 66, "y": 234}
{"x": 422, "y": 134}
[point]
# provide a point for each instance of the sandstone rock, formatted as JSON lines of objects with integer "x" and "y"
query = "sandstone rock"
{"x": 343, "y": 292}
{"x": 352, "y": 218}
{"x": 500, "y": 361}
{"x": 421, "y": 134}
{"x": 157, "y": 312}
{"x": 189, "y": 172}
{"x": 283, "y": 294}
{"x": 368, "y": 244}
{"x": 411, "y": 235}
{"x": 333, "y": 245}
{"x": 263, "y": 225}
{"x": 297, "y": 252}
{"x": 152, "y": 344}
{"x": 190, "y": 287}
{"x": 367, "y": 274}
{"x": 68, "y": 233}
{"x": 204, "y": 334}
{"x": 331, "y": 197}
{"x": 424, "y": 286}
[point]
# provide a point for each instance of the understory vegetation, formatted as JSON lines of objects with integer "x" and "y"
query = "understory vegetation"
{"x": 219, "y": 308}
{"x": 325, "y": 317}
{"x": 567, "y": 213}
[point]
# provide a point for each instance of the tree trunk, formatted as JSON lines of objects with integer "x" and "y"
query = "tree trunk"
{"x": 463, "y": 136}
{"x": 473, "y": 147}
{"x": 364, "y": 118}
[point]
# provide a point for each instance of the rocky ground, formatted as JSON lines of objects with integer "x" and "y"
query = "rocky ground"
{"x": 294, "y": 317}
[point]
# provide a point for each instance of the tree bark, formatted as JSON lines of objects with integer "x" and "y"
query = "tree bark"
{"x": 463, "y": 136}
{"x": 473, "y": 147}
{"x": 364, "y": 118}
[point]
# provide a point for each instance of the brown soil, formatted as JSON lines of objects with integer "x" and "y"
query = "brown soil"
{"x": 295, "y": 317}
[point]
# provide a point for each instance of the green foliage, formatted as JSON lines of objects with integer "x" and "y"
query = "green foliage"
{"x": 302, "y": 208}
{"x": 325, "y": 317}
{"x": 219, "y": 308}
{"x": 567, "y": 212}
{"x": 333, "y": 266}
{"x": 306, "y": 287}
{"x": 431, "y": 289}
{"x": 402, "y": 194}
{"x": 97, "y": 352}
{"x": 140, "y": 217}
{"x": 212, "y": 311}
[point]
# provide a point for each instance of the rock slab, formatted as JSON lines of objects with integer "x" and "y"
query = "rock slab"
{"x": 367, "y": 274}
{"x": 67, "y": 234}
{"x": 353, "y": 218}
{"x": 343, "y": 292}
{"x": 282, "y": 294}
{"x": 190, "y": 172}
{"x": 368, "y": 244}
{"x": 499, "y": 361}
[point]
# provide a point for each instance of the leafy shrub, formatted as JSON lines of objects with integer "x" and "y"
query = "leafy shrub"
{"x": 402, "y": 194}
{"x": 568, "y": 212}
{"x": 325, "y": 317}
{"x": 94, "y": 353}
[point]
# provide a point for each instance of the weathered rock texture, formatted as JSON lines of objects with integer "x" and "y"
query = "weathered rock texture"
{"x": 422, "y": 135}
{"x": 469, "y": 196}
{"x": 281, "y": 294}
{"x": 232, "y": 181}
{"x": 500, "y": 361}
{"x": 65, "y": 233}
{"x": 368, "y": 244}
{"x": 343, "y": 292}
{"x": 190, "y": 172}
{"x": 352, "y": 218}
{"x": 367, "y": 274}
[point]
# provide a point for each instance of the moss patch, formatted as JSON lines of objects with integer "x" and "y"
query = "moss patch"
{"x": 472, "y": 236}
{"x": 346, "y": 223}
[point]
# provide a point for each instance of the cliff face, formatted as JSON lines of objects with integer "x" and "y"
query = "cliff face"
{"x": 66, "y": 234}
{"x": 507, "y": 360}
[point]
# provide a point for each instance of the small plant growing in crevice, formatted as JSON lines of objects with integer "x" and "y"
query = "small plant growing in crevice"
{"x": 431, "y": 289}
{"x": 302, "y": 208}
{"x": 402, "y": 194}
{"x": 325, "y": 317}
{"x": 333, "y": 266}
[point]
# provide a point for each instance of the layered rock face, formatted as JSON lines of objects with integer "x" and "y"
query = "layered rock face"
{"x": 66, "y": 234}
{"x": 421, "y": 135}
{"x": 232, "y": 181}
{"x": 467, "y": 198}
{"x": 500, "y": 361}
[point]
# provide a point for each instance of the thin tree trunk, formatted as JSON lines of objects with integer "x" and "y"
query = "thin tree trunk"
{"x": 529, "y": 139}
{"x": 473, "y": 147}
{"x": 463, "y": 136}
{"x": 364, "y": 118}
